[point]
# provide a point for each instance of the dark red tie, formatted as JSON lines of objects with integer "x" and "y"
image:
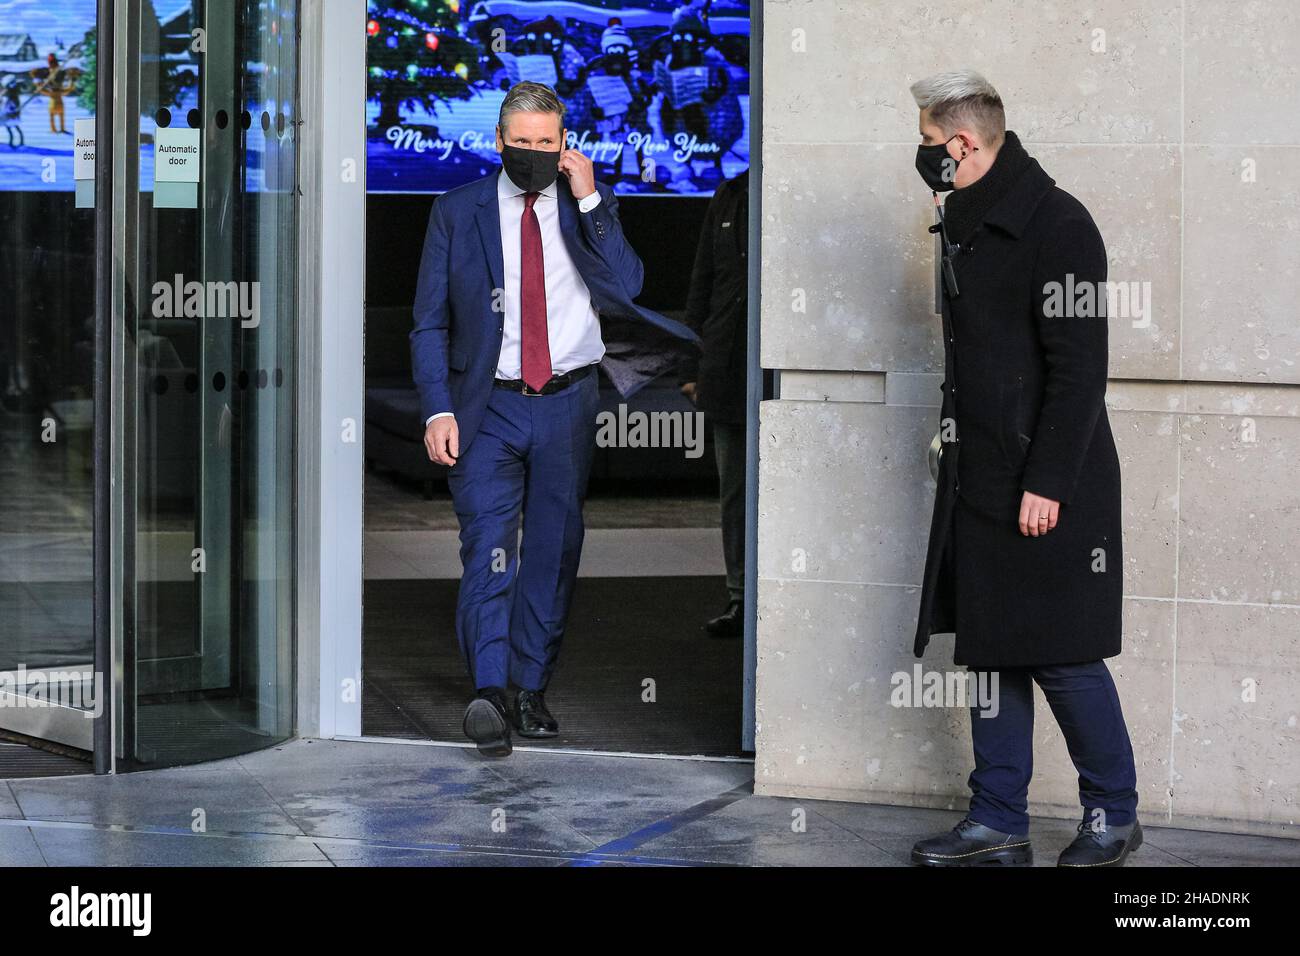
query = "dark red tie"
{"x": 535, "y": 345}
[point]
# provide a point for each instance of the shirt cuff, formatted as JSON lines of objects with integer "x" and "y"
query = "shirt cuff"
{"x": 590, "y": 203}
{"x": 439, "y": 415}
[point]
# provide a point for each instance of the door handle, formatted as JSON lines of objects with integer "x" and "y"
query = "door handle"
{"x": 934, "y": 454}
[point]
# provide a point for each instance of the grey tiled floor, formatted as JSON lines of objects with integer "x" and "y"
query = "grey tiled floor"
{"x": 343, "y": 803}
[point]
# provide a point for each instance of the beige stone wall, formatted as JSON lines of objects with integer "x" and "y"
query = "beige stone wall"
{"x": 1179, "y": 127}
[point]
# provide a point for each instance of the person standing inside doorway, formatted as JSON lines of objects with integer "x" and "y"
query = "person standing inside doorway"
{"x": 1024, "y": 560}
{"x": 718, "y": 309}
{"x": 526, "y": 284}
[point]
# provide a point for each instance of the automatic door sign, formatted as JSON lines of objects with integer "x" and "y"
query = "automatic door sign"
{"x": 176, "y": 169}
{"x": 83, "y": 161}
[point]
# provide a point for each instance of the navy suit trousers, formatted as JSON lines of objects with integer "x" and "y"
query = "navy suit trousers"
{"x": 529, "y": 461}
{"x": 1086, "y": 706}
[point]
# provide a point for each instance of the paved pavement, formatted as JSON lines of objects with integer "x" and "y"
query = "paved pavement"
{"x": 359, "y": 803}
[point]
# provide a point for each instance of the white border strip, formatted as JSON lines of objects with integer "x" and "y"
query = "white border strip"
{"x": 332, "y": 382}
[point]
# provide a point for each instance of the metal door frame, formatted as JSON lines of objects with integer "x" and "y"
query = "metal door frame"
{"x": 332, "y": 382}
{"x": 754, "y": 373}
{"x": 115, "y": 364}
{"x": 108, "y": 418}
{"x": 331, "y": 392}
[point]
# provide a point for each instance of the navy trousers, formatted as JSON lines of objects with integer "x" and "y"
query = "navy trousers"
{"x": 1086, "y": 706}
{"x": 529, "y": 461}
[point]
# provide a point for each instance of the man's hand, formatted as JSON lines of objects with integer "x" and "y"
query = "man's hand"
{"x": 689, "y": 391}
{"x": 442, "y": 440}
{"x": 575, "y": 164}
{"x": 1037, "y": 515}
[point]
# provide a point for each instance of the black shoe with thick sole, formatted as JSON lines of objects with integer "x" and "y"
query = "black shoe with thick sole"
{"x": 1101, "y": 847}
{"x": 973, "y": 844}
{"x": 532, "y": 718}
{"x": 730, "y": 623}
{"x": 486, "y": 724}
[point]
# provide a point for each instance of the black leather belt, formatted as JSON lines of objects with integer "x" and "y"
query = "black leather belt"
{"x": 556, "y": 384}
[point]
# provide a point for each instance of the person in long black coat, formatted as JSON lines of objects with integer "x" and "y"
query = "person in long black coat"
{"x": 1024, "y": 561}
{"x": 715, "y": 381}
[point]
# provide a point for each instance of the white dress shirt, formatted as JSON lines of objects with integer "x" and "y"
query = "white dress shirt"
{"x": 572, "y": 327}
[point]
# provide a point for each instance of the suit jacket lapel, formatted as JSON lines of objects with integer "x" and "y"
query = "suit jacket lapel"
{"x": 489, "y": 230}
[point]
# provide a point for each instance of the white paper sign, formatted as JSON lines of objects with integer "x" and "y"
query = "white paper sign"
{"x": 83, "y": 149}
{"x": 176, "y": 156}
{"x": 683, "y": 87}
{"x": 610, "y": 93}
{"x": 537, "y": 67}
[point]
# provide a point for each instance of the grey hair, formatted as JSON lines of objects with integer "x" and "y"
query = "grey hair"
{"x": 529, "y": 97}
{"x": 962, "y": 98}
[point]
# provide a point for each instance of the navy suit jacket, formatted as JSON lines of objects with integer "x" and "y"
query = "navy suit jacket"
{"x": 456, "y": 341}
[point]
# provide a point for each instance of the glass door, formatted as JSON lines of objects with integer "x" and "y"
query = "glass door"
{"x": 48, "y": 72}
{"x": 205, "y": 297}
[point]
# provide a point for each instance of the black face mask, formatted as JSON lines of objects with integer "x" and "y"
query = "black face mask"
{"x": 532, "y": 170}
{"x": 937, "y": 168}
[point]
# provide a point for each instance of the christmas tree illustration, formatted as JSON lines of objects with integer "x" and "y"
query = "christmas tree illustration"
{"x": 418, "y": 56}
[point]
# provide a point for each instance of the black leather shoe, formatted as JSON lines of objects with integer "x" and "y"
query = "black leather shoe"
{"x": 973, "y": 844}
{"x": 1108, "y": 847}
{"x": 730, "y": 623}
{"x": 532, "y": 719}
{"x": 486, "y": 723}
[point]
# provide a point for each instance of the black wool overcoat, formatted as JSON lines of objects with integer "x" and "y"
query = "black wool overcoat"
{"x": 1024, "y": 389}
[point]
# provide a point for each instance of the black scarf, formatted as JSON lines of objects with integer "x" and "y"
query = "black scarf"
{"x": 965, "y": 208}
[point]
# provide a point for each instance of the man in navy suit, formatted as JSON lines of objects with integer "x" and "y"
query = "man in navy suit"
{"x": 526, "y": 285}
